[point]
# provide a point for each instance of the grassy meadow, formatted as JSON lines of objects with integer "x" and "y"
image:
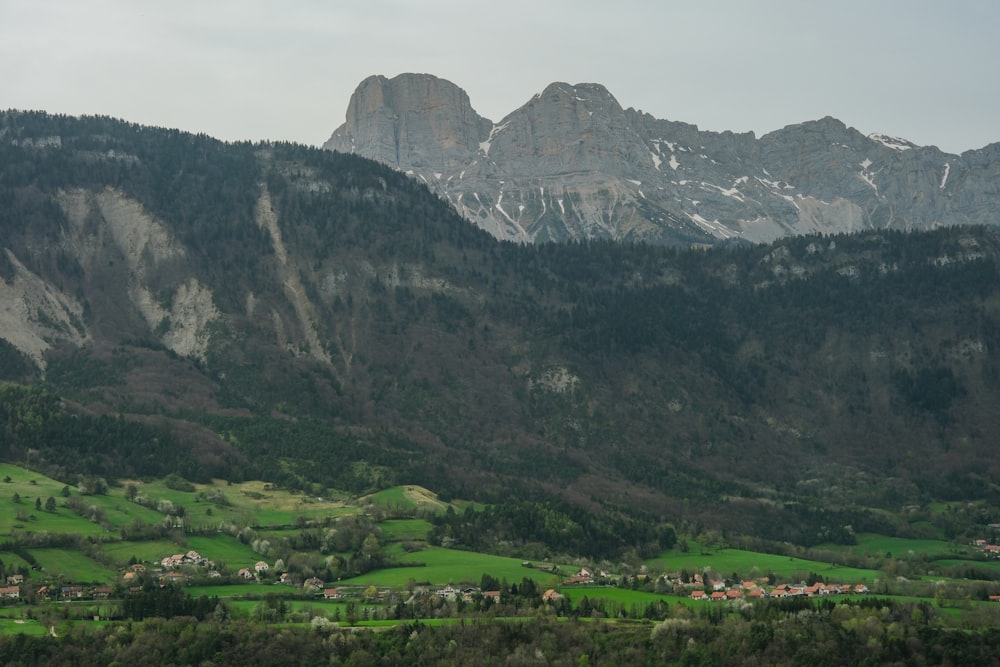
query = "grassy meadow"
{"x": 752, "y": 565}
{"x": 437, "y": 565}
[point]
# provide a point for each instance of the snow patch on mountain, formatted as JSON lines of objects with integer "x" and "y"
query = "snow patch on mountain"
{"x": 895, "y": 143}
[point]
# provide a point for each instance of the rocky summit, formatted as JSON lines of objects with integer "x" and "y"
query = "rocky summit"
{"x": 572, "y": 164}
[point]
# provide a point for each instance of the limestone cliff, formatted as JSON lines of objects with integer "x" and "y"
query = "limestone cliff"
{"x": 571, "y": 163}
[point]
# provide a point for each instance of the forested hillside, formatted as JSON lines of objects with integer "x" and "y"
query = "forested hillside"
{"x": 177, "y": 304}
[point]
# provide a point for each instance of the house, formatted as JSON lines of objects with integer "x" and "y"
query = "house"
{"x": 11, "y": 592}
{"x": 15, "y": 580}
{"x": 551, "y": 595}
{"x": 44, "y": 592}
{"x": 584, "y": 576}
{"x": 72, "y": 591}
{"x": 861, "y": 588}
{"x": 173, "y": 578}
{"x": 734, "y": 594}
{"x": 261, "y": 566}
{"x": 717, "y": 596}
{"x": 699, "y": 595}
{"x": 246, "y": 573}
{"x": 448, "y": 593}
{"x": 332, "y": 593}
{"x": 101, "y": 592}
{"x": 812, "y": 590}
{"x": 492, "y": 595}
{"x": 313, "y": 584}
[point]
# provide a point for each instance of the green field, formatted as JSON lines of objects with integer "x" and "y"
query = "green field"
{"x": 620, "y": 595}
{"x": 254, "y": 590}
{"x": 224, "y": 549}
{"x": 401, "y": 530}
{"x": 749, "y": 564}
{"x": 870, "y": 544}
{"x": 72, "y": 566}
{"x": 408, "y": 497}
{"x": 248, "y": 503}
{"x": 145, "y": 552}
{"x": 443, "y": 566}
{"x": 977, "y": 564}
{"x": 112, "y": 512}
{"x": 27, "y": 626}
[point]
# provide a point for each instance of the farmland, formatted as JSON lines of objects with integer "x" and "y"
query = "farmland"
{"x": 375, "y": 551}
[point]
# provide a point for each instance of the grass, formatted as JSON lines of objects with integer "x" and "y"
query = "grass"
{"x": 225, "y": 549}
{"x": 963, "y": 563}
{"x": 621, "y": 595}
{"x": 12, "y": 560}
{"x": 252, "y": 503}
{"x": 144, "y": 552}
{"x": 870, "y": 544}
{"x": 22, "y": 626}
{"x": 72, "y": 566}
{"x": 238, "y": 590}
{"x": 221, "y": 548}
{"x": 750, "y": 564}
{"x": 409, "y": 497}
{"x": 443, "y": 566}
{"x": 402, "y": 530}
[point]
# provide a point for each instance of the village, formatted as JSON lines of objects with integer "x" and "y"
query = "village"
{"x": 182, "y": 568}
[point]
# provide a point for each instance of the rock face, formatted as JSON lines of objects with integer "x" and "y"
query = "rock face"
{"x": 572, "y": 164}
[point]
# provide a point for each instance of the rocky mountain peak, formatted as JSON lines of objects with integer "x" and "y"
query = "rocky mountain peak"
{"x": 571, "y": 163}
{"x": 410, "y": 121}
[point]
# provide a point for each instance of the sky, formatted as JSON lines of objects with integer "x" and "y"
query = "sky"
{"x": 926, "y": 71}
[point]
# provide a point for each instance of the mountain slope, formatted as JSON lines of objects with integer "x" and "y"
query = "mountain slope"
{"x": 317, "y": 319}
{"x": 572, "y": 164}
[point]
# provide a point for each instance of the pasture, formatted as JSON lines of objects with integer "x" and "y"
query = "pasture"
{"x": 72, "y": 566}
{"x": 437, "y": 565}
{"x": 749, "y": 564}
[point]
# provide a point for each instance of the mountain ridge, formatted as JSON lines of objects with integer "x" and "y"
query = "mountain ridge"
{"x": 571, "y": 164}
{"x": 320, "y": 320}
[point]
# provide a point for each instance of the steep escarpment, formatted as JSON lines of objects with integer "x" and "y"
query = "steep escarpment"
{"x": 572, "y": 164}
{"x": 321, "y": 320}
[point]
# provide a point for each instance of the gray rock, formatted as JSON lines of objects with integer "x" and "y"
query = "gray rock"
{"x": 572, "y": 164}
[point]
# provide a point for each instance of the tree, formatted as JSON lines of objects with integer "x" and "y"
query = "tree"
{"x": 38, "y": 503}
{"x": 17, "y": 497}
{"x": 50, "y": 504}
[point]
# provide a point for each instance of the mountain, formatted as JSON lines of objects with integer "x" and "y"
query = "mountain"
{"x": 172, "y": 303}
{"x": 572, "y": 164}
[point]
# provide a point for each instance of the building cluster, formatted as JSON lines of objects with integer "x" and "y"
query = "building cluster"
{"x": 991, "y": 550}
{"x": 754, "y": 590}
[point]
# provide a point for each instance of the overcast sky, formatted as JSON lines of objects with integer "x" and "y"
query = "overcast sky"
{"x": 927, "y": 71}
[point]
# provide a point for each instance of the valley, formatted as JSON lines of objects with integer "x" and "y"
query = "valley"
{"x": 332, "y": 404}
